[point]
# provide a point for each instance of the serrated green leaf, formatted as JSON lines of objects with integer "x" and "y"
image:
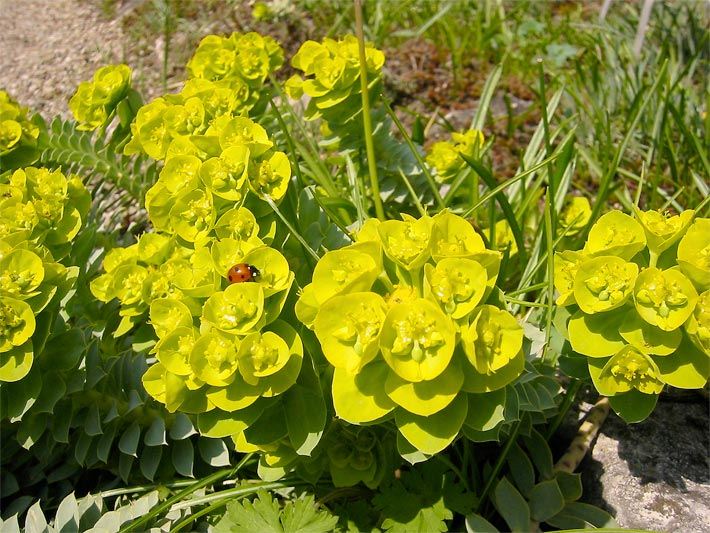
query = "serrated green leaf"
{"x": 545, "y": 500}
{"x": 304, "y": 516}
{"x": 264, "y": 515}
{"x": 511, "y": 505}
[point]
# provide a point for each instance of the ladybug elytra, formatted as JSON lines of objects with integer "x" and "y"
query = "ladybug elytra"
{"x": 242, "y": 272}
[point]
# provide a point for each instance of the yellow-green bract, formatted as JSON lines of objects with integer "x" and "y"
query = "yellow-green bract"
{"x": 332, "y": 76}
{"x": 401, "y": 316}
{"x": 94, "y": 100}
{"x": 41, "y": 212}
{"x": 221, "y": 350}
{"x": 638, "y": 310}
{"x": 207, "y": 116}
{"x": 445, "y": 156}
{"x": 15, "y": 128}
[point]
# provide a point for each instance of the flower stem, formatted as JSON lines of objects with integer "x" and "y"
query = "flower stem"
{"x": 366, "y": 118}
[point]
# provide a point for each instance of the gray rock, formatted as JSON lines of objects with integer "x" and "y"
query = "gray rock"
{"x": 654, "y": 475}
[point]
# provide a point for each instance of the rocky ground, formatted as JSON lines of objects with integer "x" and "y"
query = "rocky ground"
{"x": 49, "y": 46}
{"x": 654, "y": 475}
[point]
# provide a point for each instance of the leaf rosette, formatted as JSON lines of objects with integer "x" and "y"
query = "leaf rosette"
{"x": 17, "y": 132}
{"x": 396, "y": 314}
{"x": 41, "y": 212}
{"x": 617, "y": 234}
{"x": 331, "y": 76}
{"x": 356, "y": 454}
{"x": 698, "y": 325}
{"x": 445, "y": 156}
{"x": 94, "y": 101}
{"x": 664, "y": 298}
{"x": 641, "y": 325}
{"x": 694, "y": 253}
{"x": 604, "y": 283}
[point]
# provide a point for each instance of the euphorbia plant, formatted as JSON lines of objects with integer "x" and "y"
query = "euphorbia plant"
{"x": 18, "y": 134}
{"x": 402, "y": 317}
{"x": 637, "y": 308}
{"x": 96, "y": 99}
{"x": 41, "y": 212}
{"x": 221, "y": 350}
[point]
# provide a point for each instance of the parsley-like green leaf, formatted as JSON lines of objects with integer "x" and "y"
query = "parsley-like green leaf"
{"x": 422, "y": 500}
{"x": 265, "y": 515}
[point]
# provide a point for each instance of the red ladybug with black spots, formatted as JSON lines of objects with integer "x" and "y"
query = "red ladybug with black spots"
{"x": 243, "y": 272}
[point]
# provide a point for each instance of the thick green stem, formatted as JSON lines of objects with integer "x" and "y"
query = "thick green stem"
{"x": 366, "y": 118}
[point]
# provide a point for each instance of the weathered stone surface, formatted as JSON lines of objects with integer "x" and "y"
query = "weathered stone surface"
{"x": 654, "y": 475}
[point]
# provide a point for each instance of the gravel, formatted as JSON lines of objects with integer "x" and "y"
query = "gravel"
{"x": 48, "y": 46}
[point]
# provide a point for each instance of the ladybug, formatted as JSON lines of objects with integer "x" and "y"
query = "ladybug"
{"x": 242, "y": 272}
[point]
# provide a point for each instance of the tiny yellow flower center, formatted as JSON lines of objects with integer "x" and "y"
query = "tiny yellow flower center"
{"x": 662, "y": 294}
{"x": 610, "y": 283}
{"x": 416, "y": 335}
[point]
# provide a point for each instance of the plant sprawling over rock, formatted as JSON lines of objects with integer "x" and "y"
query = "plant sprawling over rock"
{"x": 638, "y": 298}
